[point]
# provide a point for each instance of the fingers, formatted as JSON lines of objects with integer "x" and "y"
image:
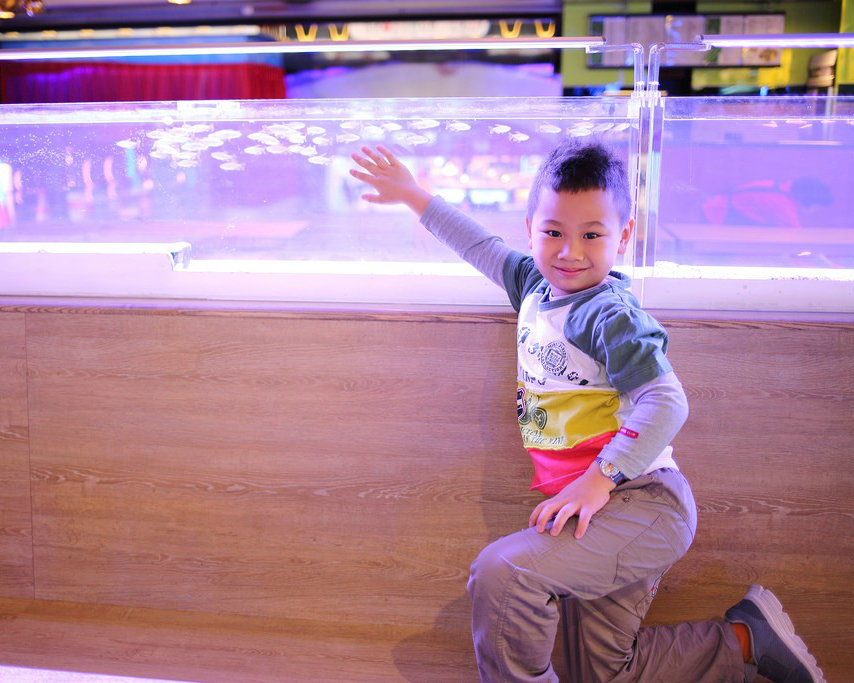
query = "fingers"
{"x": 532, "y": 520}
{"x": 364, "y": 177}
{"x": 562, "y": 517}
{"x": 546, "y": 512}
{"x": 363, "y": 162}
{"x": 583, "y": 522}
{"x": 380, "y": 159}
{"x": 389, "y": 157}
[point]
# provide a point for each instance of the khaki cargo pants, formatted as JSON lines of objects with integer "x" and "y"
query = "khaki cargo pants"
{"x": 609, "y": 578}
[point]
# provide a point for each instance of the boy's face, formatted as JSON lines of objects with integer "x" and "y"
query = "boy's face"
{"x": 575, "y": 238}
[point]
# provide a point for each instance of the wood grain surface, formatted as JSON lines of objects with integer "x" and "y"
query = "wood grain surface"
{"x": 338, "y": 474}
{"x": 16, "y": 545}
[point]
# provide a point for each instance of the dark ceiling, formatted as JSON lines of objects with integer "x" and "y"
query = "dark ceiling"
{"x": 86, "y": 13}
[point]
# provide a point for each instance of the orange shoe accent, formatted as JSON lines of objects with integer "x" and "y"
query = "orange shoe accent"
{"x": 743, "y": 636}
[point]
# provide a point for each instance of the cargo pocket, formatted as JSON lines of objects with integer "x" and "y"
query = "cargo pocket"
{"x": 652, "y": 552}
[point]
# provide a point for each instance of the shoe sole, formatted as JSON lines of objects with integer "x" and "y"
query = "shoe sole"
{"x": 772, "y": 610}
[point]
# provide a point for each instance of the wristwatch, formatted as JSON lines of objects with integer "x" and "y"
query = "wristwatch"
{"x": 611, "y": 472}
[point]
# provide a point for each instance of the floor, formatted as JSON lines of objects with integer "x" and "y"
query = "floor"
{"x": 13, "y": 674}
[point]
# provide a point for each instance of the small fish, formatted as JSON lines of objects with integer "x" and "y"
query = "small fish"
{"x": 321, "y": 140}
{"x": 308, "y": 151}
{"x": 173, "y": 139}
{"x": 266, "y": 138}
{"x": 296, "y": 149}
{"x": 296, "y": 125}
{"x": 194, "y": 146}
{"x": 346, "y": 138}
{"x": 457, "y": 126}
{"x": 549, "y": 128}
{"x": 320, "y": 159}
{"x": 277, "y": 149}
{"x": 222, "y": 156}
{"x": 415, "y": 139}
{"x": 519, "y": 137}
{"x": 621, "y": 126}
{"x": 128, "y": 144}
{"x": 770, "y": 124}
{"x": 602, "y": 127}
{"x": 315, "y": 130}
{"x": 350, "y": 125}
{"x": 295, "y": 138}
{"x": 498, "y": 129}
{"x": 372, "y": 130}
{"x": 157, "y": 134}
{"x": 390, "y": 126}
{"x": 279, "y": 129}
{"x": 231, "y": 166}
{"x": 211, "y": 141}
{"x": 166, "y": 148}
{"x": 423, "y": 124}
{"x": 196, "y": 127}
{"x": 226, "y": 134}
{"x": 580, "y": 132}
{"x": 255, "y": 150}
{"x": 188, "y": 163}
{"x": 159, "y": 154}
{"x": 186, "y": 155}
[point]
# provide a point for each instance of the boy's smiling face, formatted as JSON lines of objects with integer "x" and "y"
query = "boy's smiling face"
{"x": 575, "y": 238}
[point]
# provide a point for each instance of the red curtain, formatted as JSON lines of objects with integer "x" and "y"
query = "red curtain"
{"x": 24, "y": 82}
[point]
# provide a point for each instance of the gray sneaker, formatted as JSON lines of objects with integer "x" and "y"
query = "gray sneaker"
{"x": 777, "y": 651}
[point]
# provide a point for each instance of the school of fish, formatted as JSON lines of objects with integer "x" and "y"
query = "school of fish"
{"x": 187, "y": 145}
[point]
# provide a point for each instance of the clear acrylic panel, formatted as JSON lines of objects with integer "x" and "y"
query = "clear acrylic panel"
{"x": 268, "y": 181}
{"x": 754, "y": 188}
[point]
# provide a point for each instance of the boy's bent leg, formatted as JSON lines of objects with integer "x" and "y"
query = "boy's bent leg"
{"x": 696, "y": 652}
{"x": 516, "y": 582}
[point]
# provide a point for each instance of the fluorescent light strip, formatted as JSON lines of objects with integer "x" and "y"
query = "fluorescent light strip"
{"x": 299, "y": 47}
{"x": 780, "y": 40}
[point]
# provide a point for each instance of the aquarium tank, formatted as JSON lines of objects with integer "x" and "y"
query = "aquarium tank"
{"x": 741, "y": 203}
{"x": 254, "y": 199}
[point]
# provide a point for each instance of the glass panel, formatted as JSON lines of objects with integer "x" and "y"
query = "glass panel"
{"x": 756, "y": 188}
{"x": 269, "y": 181}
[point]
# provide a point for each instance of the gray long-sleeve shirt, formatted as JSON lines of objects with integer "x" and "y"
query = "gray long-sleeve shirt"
{"x": 603, "y": 324}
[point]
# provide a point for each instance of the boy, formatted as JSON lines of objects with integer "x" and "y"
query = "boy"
{"x": 598, "y": 404}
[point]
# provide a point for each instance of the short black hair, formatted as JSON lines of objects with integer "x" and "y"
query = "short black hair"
{"x": 580, "y": 165}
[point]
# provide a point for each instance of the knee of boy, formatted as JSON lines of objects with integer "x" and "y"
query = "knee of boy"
{"x": 491, "y": 569}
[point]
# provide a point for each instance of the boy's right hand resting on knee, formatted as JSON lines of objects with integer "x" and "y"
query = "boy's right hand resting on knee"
{"x": 392, "y": 181}
{"x": 583, "y": 497}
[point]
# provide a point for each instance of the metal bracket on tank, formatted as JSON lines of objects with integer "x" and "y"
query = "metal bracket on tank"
{"x": 637, "y": 61}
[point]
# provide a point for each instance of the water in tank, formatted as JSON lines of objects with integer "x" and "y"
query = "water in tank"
{"x": 755, "y": 187}
{"x": 267, "y": 182}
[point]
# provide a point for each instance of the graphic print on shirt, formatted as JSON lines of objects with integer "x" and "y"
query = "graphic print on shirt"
{"x": 567, "y": 409}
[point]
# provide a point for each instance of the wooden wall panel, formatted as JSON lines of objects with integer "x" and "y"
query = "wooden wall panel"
{"x": 768, "y": 448}
{"x": 346, "y": 471}
{"x": 341, "y": 471}
{"x": 16, "y": 547}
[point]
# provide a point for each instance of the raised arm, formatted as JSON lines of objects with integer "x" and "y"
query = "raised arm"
{"x": 394, "y": 184}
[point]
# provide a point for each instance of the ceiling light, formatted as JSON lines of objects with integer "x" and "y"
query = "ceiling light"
{"x": 8, "y": 8}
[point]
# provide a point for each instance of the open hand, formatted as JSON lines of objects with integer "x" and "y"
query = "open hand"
{"x": 583, "y": 497}
{"x": 392, "y": 181}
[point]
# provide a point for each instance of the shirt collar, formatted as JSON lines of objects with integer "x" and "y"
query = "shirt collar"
{"x": 615, "y": 279}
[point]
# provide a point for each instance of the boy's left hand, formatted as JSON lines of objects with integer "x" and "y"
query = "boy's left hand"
{"x": 583, "y": 497}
